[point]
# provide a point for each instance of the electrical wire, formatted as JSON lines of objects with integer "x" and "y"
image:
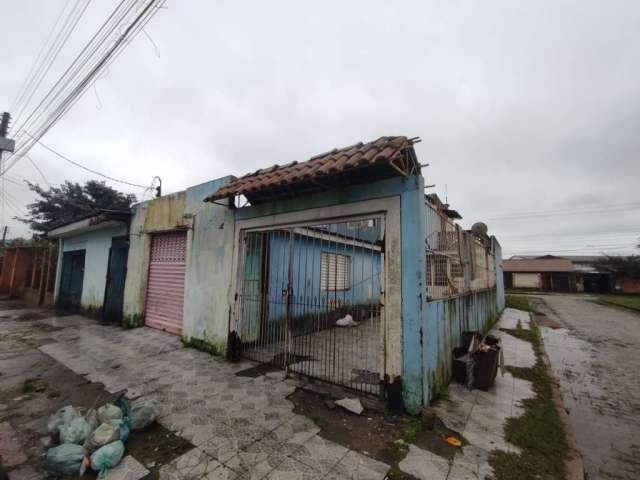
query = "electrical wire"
{"x": 38, "y": 60}
{"x": 79, "y": 165}
{"x": 97, "y": 55}
{"x": 51, "y": 55}
{"x": 35, "y": 165}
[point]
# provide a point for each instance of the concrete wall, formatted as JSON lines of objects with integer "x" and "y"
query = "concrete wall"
{"x": 209, "y": 255}
{"x": 209, "y": 252}
{"x": 444, "y": 322}
{"x": 96, "y": 262}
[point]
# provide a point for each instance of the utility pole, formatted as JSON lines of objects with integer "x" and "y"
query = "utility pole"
{"x": 9, "y": 145}
{"x": 4, "y": 235}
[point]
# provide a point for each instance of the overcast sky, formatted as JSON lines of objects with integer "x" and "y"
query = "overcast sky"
{"x": 526, "y": 109}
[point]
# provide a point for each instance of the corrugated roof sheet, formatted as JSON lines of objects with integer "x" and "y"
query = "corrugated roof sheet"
{"x": 537, "y": 265}
{"x": 382, "y": 158}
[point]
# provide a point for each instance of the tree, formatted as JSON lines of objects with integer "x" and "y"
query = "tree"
{"x": 625, "y": 265}
{"x": 71, "y": 201}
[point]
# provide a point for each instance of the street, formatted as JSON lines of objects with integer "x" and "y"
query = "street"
{"x": 596, "y": 359}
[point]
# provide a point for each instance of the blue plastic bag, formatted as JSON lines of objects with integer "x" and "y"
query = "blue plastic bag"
{"x": 107, "y": 457}
{"x": 124, "y": 424}
{"x": 65, "y": 459}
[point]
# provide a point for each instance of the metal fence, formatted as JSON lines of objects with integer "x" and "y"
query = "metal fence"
{"x": 310, "y": 300}
{"x": 458, "y": 262}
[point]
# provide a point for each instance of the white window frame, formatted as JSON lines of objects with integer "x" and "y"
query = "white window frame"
{"x": 334, "y": 272}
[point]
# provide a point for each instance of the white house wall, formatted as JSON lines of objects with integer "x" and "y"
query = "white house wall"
{"x": 96, "y": 245}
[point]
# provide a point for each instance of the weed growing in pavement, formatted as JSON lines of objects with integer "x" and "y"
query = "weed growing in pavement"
{"x": 539, "y": 432}
{"x": 519, "y": 302}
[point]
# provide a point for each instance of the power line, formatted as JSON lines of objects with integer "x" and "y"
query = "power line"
{"x": 125, "y": 22}
{"x": 79, "y": 165}
{"x": 35, "y": 165}
{"x": 34, "y": 81}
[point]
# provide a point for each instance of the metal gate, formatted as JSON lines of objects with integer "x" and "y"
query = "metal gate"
{"x": 165, "y": 288}
{"x": 116, "y": 276}
{"x": 310, "y": 300}
{"x": 71, "y": 279}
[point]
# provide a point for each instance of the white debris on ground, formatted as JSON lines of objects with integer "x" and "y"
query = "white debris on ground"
{"x": 479, "y": 416}
{"x": 424, "y": 465}
{"x": 351, "y": 404}
{"x": 128, "y": 469}
{"x": 346, "y": 321}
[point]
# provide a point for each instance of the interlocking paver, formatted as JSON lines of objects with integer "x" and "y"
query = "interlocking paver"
{"x": 242, "y": 428}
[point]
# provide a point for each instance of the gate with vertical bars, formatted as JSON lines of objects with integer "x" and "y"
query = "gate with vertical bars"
{"x": 310, "y": 300}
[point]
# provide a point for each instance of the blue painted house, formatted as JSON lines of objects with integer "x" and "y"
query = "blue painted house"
{"x": 350, "y": 232}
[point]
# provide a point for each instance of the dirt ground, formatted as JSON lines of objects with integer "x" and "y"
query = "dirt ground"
{"x": 595, "y": 358}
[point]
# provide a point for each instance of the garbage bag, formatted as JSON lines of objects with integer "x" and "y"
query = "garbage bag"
{"x": 61, "y": 417}
{"x": 122, "y": 428}
{"x": 65, "y": 459}
{"x": 104, "y": 434}
{"x": 109, "y": 412}
{"x": 107, "y": 457}
{"x": 123, "y": 424}
{"x": 77, "y": 429}
{"x": 143, "y": 413}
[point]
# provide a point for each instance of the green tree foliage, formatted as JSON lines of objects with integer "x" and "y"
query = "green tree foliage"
{"x": 627, "y": 265}
{"x": 71, "y": 201}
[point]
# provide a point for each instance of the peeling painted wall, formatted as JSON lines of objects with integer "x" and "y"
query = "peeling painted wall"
{"x": 209, "y": 255}
{"x": 443, "y": 322}
{"x": 96, "y": 263}
{"x": 209, "y": 252}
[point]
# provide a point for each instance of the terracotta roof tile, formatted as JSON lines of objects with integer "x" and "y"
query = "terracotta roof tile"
{"x": 337, "y": 162}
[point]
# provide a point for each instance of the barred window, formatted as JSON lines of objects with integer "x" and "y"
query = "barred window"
{"x": 334, "y": 271}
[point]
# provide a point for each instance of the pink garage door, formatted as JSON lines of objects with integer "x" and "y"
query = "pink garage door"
{"x": 165, "y": 289}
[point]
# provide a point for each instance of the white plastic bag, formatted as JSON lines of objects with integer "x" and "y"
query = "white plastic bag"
{"x": 76, "y": 430}
{"x": 61, "y": 417}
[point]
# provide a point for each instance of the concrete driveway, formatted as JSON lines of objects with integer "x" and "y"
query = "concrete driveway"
{"x": 596, "y": 359}
{"x": 237, "y": 426}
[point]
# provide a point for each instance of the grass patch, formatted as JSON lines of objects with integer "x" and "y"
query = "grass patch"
{"x": 412, "y": 431}
{"x": 520, "y": 302}
{"x": 539, "y": 432}
{"x": 631, "y": 302}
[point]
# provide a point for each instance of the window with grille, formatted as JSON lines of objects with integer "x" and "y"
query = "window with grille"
{"x": 334, "y": 271}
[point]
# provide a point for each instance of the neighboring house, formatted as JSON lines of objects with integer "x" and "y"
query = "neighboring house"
{"x": 28, "y": 273}
{"x": 545, "y": 274}
{"x": 92, "y": 263}
{"x": 572, "y": 273}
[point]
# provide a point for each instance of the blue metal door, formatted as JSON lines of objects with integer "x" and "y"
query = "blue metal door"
{"x": 71, "y": 279}
{"x": 116, "y": 276}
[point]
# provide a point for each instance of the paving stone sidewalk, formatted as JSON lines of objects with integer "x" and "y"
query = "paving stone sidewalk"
{"x": 479, "y": 416}
{"x": 240, "y": 427}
